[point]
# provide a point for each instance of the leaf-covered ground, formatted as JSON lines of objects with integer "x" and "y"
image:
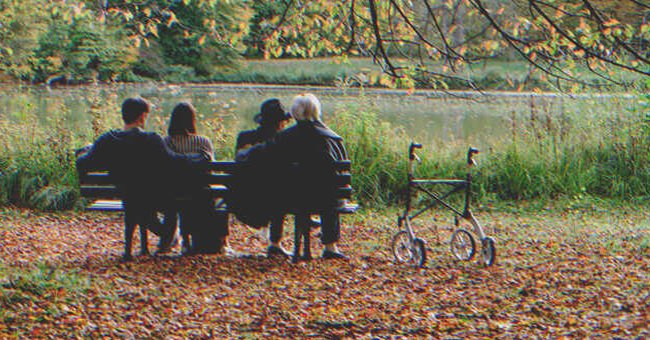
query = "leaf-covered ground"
{"x": 559, "y": 273}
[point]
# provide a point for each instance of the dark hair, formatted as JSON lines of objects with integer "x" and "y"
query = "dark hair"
{"x": 133, "y": 108}
{"x": 183, "y": 120}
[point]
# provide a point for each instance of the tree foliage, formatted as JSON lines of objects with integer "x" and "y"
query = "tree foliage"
{"x": 557, "y": 38}
{"x": 89, "y": 40}
{"x": 428, "y": 41}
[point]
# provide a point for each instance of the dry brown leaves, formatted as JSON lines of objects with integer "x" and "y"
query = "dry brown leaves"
{"x": 565, "y": 274}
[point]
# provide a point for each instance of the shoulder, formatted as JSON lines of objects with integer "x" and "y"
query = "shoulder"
{"x": 246, "y": 134}
{"x": 152, "y": 136}
{"x": 108, "y": 137}
{"x": 294, "y": 129}
{"x": 111, "y": 134}
{"x": 203, "y": 139}
{"x": 246, "y": 137}
{"x": 325, "y": 131}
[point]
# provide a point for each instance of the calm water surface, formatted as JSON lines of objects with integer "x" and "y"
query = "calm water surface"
{"x": 426, "y": 118}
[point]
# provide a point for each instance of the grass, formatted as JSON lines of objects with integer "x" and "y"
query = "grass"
{"x": 548, "y": 150}
{"x": 573, "y": 268}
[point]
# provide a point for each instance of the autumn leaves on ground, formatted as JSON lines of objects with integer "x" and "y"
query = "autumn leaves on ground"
{"x": 559, "y": 273}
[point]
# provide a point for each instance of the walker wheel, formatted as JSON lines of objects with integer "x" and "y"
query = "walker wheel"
{"x": 419, "y": 252}
{"x": 462, "y": 245}
{"x": 489, "y": 251}
{"x": 406, "y": 252}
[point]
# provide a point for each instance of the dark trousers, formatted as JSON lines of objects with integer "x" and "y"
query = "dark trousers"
{"x": 140, "y": 213}
{"x": 143, "y": 215}
{"x": 330, "y": 225}
{"x": 206, "y": 227}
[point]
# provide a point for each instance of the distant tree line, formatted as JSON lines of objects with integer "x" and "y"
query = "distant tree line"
{"x": 83, "y": 41}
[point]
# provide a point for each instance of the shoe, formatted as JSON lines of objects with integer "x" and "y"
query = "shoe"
{"x": 314, "y": 223}
{"x": 274, "y": 250}
{"x": 333, "y": 255}
{"x": 229, "y": 252}
{"x": 167, "y": 248}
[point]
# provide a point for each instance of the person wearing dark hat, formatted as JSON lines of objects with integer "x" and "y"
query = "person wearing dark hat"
{"x": 271, "y": 119}
{"x": 315, "y": 148}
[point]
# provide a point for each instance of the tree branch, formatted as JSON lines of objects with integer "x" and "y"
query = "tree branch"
{"x": 587, "y": 50}
{"x": 511, "y": 41}
{"x": 601, "y": 25}
{"x": 380, "y": 45}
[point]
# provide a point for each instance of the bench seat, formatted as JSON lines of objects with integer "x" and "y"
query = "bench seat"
{"x": 116, "y": 205}
{"x": 104, "y": 196}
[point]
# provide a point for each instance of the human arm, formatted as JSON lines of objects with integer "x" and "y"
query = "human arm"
{"x": 248, "y": 151}
{"x": 208, "y": 148}
{"x": 93, "y": 156}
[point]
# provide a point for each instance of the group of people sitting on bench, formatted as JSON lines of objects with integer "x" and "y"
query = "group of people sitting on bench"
{"x": 151, "y": 171}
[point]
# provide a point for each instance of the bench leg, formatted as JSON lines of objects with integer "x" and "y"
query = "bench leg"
{"x": 129, "y": 228}
{"x": 297, "y": 238}
{"x": 144, "y": 244}
{"x": 301, "y": 239}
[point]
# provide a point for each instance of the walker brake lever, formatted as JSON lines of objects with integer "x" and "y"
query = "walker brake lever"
{"x": 470, "y": 156}
{"x": 412, "y": 148}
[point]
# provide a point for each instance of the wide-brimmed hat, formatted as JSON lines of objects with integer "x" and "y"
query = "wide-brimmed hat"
{"x": 271, "y": 111}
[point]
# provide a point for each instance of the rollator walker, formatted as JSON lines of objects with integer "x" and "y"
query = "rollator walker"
{"x": 408, "y": 248}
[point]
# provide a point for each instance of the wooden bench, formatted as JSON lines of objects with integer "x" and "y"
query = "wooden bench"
{"x": 104, "y": 196}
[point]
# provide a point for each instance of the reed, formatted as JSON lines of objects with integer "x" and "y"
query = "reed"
{"x": 549, "y": 153}
{"x": 574, "y": 153}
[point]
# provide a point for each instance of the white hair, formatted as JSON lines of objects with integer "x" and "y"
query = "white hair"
{"x": 306, "y": 107}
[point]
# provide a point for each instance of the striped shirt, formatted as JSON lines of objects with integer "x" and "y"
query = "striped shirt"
{"x": 190, "y": 144}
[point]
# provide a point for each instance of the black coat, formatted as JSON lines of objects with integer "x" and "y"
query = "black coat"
{"x": 301, "y": 159}
{"x": 143, "y": 168}
{"x": 249, "y": 138}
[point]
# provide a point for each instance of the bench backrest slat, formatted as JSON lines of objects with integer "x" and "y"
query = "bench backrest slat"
{"x": 99, "y": 185}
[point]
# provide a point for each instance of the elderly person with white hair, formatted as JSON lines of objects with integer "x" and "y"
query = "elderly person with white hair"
{"x": 315, "y": 148}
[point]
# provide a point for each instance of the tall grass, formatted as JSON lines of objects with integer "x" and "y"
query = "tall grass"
{"x": 547, "y": 155}
{"x": 549, "y": 152}
{"x": 37, "y": 168}
{"x": 574, "y": 153}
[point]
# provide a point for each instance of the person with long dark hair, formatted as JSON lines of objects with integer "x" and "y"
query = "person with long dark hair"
{"x": 142, "y": 167}
{"x": 196, "y": 215}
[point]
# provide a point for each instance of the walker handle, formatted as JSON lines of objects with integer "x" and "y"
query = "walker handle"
{"x": 470, "y": 156}
{"x": 412, "y": 147}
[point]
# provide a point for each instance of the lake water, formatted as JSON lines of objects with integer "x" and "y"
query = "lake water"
{"x": 429, "y": 117}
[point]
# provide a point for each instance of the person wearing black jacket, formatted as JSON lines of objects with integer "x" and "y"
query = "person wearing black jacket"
{"x": 142, "y": 168}
{"x": 314, "y": 148}
{"x": 271, "y": 119}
